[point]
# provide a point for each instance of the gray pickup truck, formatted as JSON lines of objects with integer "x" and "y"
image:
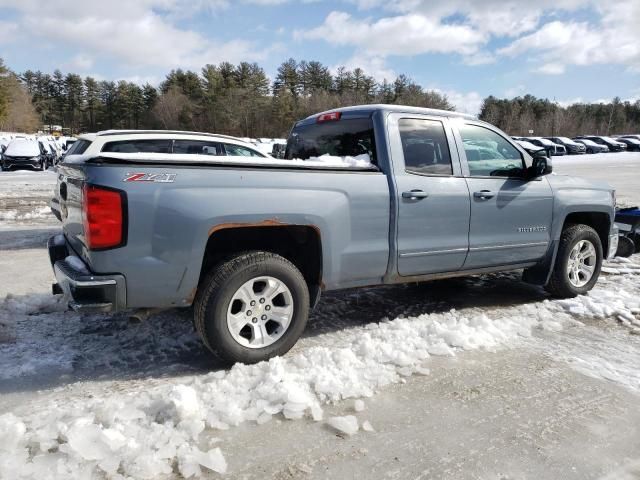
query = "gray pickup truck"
{"x": 251, "y": 242}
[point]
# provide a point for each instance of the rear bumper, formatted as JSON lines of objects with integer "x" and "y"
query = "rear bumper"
{"x": 85, "y": 290}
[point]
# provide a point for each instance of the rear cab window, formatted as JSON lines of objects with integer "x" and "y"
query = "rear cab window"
{"x": 346, "y": 137}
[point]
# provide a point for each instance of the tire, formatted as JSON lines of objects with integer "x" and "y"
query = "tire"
{"x": 560, "y": 285}
{"x": 589, "y": 151}
{"x": 626, "y": 247}
{"x": 217, "y": 297}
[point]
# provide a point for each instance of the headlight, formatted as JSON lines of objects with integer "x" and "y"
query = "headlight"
{"x": 35, "y": 159}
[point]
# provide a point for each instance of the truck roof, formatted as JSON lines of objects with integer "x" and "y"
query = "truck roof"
{"x": 368, "y": 109}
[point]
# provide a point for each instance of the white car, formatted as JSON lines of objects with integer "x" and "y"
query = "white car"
{"x": 162, "y": 141}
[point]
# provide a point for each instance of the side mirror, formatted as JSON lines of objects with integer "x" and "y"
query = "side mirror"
{"x": 541, "y": 165}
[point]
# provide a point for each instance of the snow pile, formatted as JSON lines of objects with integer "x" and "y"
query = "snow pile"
{"x": 347, "y": 425}
{"x": 615, "y": 296}
{"x": 15, "y": 215}
{"x": 14, "y": 309}
{"x": 146, "y": 433}
{"x": 359, "y": 161}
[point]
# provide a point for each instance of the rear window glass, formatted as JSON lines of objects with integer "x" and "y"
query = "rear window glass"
{"x": 341, "y": 138}
{"x": 138, "y": 146}
{"x": 197, "y": 147}
{"x": 425, "y": 148}
{"x": 78, "y": 147}
{"x": 240, "y": 151}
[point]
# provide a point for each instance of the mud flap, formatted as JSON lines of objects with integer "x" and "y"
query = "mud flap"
{"x": 539, "y": 274}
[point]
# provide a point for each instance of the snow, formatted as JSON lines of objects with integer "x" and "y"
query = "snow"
{"x": 22, "y": 148}
{"x": 347, "y": 424}
{"x": 367, "y": 427}
{"x": 359, "y": 162}
{"x": 358, "y": 405}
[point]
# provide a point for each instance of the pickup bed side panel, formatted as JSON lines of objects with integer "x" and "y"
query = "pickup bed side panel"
{"x": 170, "y": 223}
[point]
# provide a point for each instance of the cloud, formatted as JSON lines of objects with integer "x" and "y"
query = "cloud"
{"x": 8, "y": 32}
{"x": 399, "y": 35}
{"x": 81, "y": 62}
{"x": 614, "y": 40}
{"x": 465, "y": 102}
{"x": 372, "y": 65}
{"x": 136, "y": 34}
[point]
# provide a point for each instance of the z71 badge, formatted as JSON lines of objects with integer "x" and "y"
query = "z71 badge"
{"x": 150, "y": 177}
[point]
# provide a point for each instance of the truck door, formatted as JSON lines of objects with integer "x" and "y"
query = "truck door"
{"x": 510, "y": 214}
{"x": 432, "y": 196}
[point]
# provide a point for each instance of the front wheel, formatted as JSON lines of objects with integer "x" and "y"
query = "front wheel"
{"x": 252, "y": 307}
{"x": 578, "y": 262}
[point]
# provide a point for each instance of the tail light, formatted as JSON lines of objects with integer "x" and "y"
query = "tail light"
{"x": 103, "y": 217}
{"x": 329, "y": 117}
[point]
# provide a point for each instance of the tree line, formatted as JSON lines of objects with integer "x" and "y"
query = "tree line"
{"x": 241, "y": 100}
{"x": 226, "y": 98}
{"x": 521, "y": 115}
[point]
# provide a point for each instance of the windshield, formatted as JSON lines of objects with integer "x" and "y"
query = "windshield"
{"x": 566, "y": 140}
{"x": 587, "y": 142}
{"x": 608, "y": 139}
{"x": 22, "y": 148}
{"x": 340, "y": 138}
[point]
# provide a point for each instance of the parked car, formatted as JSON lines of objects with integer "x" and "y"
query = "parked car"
{"x": 25, "y": 153}
{"x": 161, "y": 141}
{"x": 552, "y": 148}
{"x": 278, "y": 150}
{"x": 405, "y": 195}
{"x": 591, "y": 146}
{"x": 633, "y": 144}
{"x": 609, "y": 142}
{"x": 572, "y": 147}
{"x": 529, "y": 147}
{"x": 637, "y": 137}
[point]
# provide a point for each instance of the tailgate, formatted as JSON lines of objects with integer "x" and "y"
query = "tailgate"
{"x": 67, "y": 200}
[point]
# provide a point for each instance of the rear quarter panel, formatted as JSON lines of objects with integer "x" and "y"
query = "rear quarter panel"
{"x": 170, "y": 223}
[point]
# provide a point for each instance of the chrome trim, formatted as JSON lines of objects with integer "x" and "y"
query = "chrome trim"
{"x": 511, "y": 245}
{"x": 91, "y": 283}
{"x": 433, "y": 252}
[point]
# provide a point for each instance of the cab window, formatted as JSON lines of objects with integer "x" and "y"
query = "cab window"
{"x": 489, "y": 154}
{"x": 425, "y": 148}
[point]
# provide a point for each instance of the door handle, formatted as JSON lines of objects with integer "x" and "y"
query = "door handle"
{"x": 415, "y": 194}
{"x": 484, "y": 194}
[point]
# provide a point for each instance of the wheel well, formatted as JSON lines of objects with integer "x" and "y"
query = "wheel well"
{"x": 300, "y": 244}
{"x": 599, "y": 221}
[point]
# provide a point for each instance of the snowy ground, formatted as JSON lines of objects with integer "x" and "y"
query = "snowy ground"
{"x": 473, "y": 378}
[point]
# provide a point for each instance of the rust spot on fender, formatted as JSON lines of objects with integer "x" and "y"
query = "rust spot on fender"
{"x": 192, "y": 295}
{"x": 269, "y": 222}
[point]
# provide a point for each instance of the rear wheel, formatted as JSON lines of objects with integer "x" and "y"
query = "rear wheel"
{"x": 252, "y": 307}
{"x": 589, "y": 150}
{"x": 578, "y": 262}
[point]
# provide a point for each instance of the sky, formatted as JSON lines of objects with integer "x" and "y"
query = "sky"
{"x": 567, "y": 50}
